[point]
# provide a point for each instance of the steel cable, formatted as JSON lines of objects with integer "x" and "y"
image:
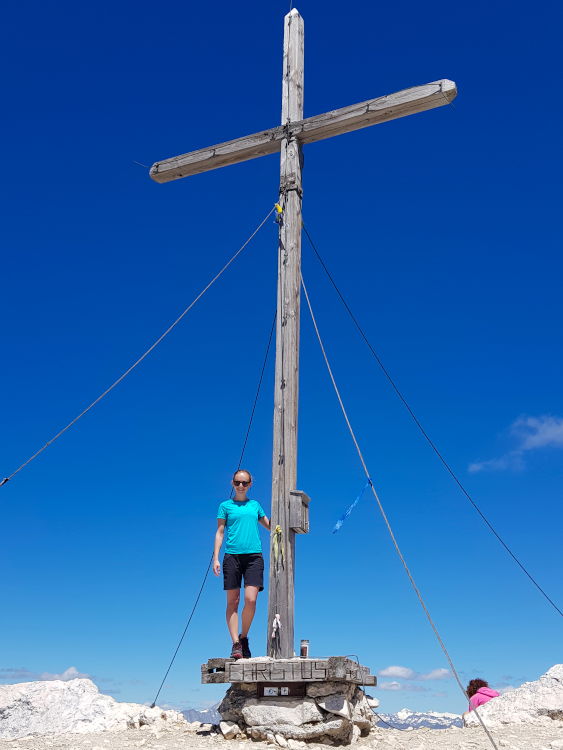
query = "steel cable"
{"x": 244, "y": 444}
{"x": 143, "y": 356}
{"x": 384, "y": 515}
{"x": 423, "y": 431}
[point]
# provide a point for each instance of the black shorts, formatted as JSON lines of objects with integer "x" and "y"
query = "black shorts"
{"x": 250, "y": 566}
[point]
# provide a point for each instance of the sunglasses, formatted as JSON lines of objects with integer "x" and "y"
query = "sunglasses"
{"x": 236, "y": 482}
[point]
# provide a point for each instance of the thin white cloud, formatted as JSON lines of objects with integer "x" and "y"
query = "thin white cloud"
{"x": 404, "y": 686}
{"x": 509, "y": 462}
{"x": 406, "y": 673}
{"x": 17, "y": 674}
{"x": 21, "y": 674}
{"x": 69, "y": 674}
{"x": 436, "y": 674}
{"x": 531, "y": 433}
{"x": 538, "y": 432}
{"x": 389, "y": 685}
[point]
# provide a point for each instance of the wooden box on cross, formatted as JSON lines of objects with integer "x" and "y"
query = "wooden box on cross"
{"x": 299, "y": 512}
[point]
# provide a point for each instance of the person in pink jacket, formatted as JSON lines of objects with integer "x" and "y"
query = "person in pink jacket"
{"x": 479, "y": 692}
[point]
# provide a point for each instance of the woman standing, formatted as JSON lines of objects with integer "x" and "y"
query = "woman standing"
{"x": 243, "y": 558}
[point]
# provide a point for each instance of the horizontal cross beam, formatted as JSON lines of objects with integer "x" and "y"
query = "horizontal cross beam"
{"x": 336, "y": 122}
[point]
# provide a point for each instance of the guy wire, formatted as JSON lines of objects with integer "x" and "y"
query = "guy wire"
{"x": 421, "y": 428}
{"x": 384, "y": 515}
{"x": 143, "y": 356}
{"x": 249, "y": 427}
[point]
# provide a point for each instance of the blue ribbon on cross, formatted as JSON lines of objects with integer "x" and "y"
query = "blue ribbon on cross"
{"x": 347, "y": 512}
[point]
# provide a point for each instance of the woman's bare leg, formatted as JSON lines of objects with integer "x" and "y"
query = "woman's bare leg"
{"x": 250, "y": 595}
{"x": 233, "y": 598}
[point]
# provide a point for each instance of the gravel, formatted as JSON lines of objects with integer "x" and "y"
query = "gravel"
{"x": 509, "y": 737}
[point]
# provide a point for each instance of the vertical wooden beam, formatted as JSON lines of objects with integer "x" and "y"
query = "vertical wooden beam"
{"x": 286, "y": 393}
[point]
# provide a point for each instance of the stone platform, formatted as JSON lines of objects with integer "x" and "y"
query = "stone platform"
{"x": 263, "y": 669}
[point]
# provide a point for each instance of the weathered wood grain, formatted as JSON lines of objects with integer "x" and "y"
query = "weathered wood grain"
{"x": 385, "y": 108}
{"x": 333, "y": 669}
{"x": 286, "y": 383}
{"x": 336, "y": 122}
{"x": 299, "y": 511}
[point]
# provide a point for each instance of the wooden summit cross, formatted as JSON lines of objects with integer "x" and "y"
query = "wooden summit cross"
{"x": 289, "y": 138}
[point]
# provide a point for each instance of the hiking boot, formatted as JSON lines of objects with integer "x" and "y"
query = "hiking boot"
{"x": 236, "y": 651}
{"x": 243, "y": 640}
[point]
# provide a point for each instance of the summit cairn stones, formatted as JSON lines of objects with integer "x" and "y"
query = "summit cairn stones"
{"x": 336, "y": 704}
{"x": 229, "y": 729}
{"x": 235, "y": 699}
{"x": 321, "y": 689}
{"x": 335, "y": 712}
{"x": 267, "y": 713}
{"x": 363, "y": 717}
{"x": 335, "y": 729}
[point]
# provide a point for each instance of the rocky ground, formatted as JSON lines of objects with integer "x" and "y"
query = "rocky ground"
{"x": 510, "y": 737}
{"x": 46, "y": 715}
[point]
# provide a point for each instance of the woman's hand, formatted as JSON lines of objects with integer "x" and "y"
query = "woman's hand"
{"x": 216, "y": 567}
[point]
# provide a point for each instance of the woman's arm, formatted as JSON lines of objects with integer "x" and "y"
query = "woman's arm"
{"x": 265, "y": 522}
{"x": 219, "y": 535}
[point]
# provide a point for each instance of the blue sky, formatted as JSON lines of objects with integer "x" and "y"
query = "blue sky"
{"x": 443, "y": 232}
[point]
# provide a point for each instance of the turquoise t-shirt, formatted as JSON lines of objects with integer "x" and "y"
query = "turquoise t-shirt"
{"x": 242, "y": 526}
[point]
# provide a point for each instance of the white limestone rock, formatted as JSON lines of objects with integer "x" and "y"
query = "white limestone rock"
{"x": 281, "y": 740}
{"x": 336, "y": 704}
{"x": 235, "y": 698}
{"x": 293, "y": 712}
{"x": 229, "y": 729}
{"x": 362, "y": 715}
{"x": 57, "y": 707}
{"x": 321, "y": 689}
{"x": 338, "y": 728}
{"x": 538, "y": 702}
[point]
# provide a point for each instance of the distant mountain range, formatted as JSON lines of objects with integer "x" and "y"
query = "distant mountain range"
{"x": 403, "y": 719}
{"x": 204, "y": 715}
{"x": 406, "y": 719}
